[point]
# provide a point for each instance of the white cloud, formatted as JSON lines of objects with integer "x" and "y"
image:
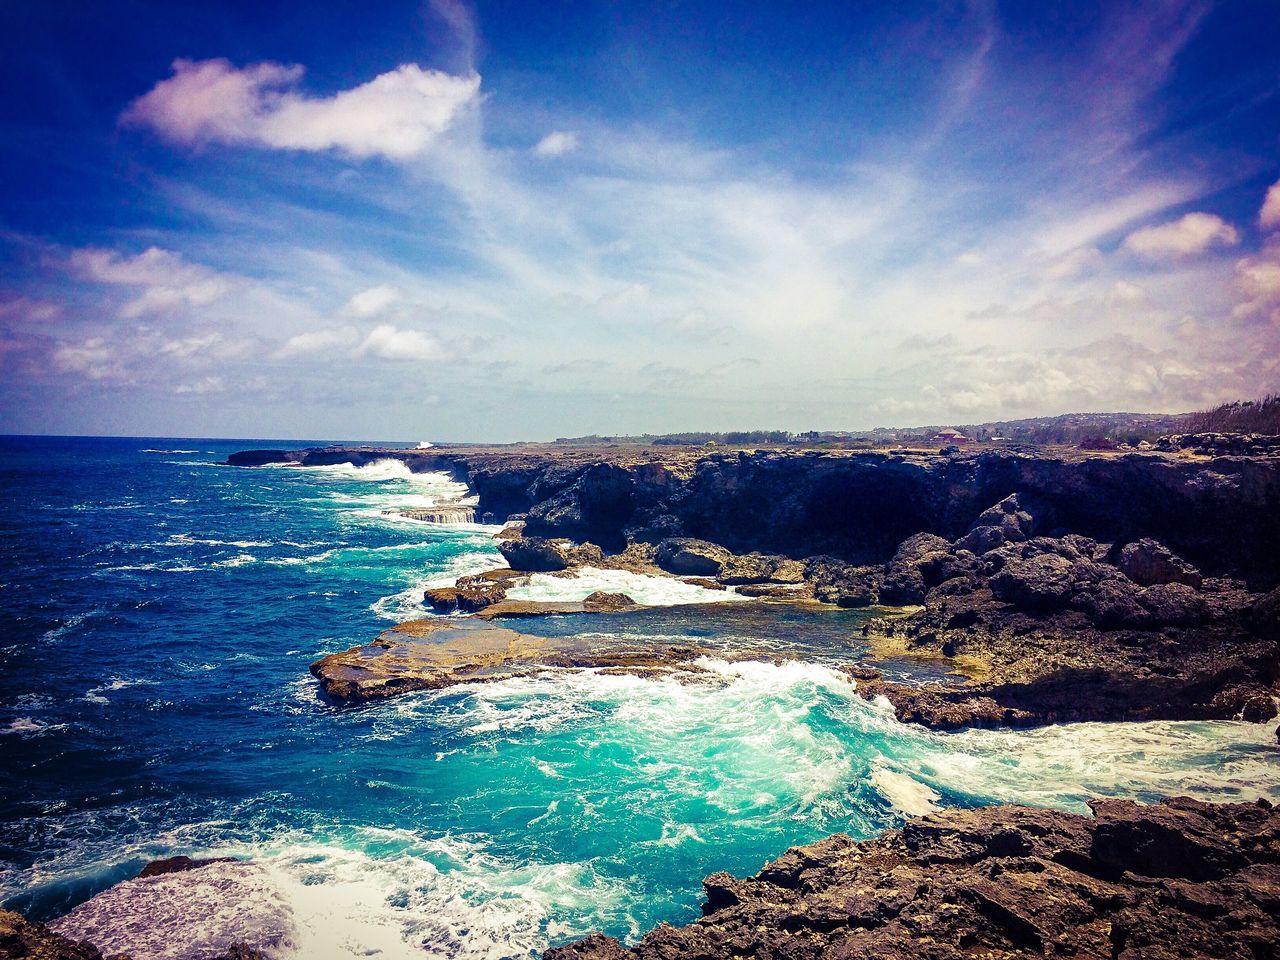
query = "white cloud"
{"x": 94, "y": 358}
{"x": 371, "y": 302}
{"x": 398, "y": 114}
{"x": 390, "y": 343}
{"x": 317, "y": 341}
{"x": 556, "y": 144}
{"x": 1192, "y": 234}
{"x": 1269, "y": 215}
{"x": 168, "y": 281}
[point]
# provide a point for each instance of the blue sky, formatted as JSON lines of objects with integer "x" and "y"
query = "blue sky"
{"x": 513, "y": 220}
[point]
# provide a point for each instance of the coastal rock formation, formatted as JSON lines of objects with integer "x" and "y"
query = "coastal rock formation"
{"x": 542, "y": 555}
{"x": 1052, "y": 631}
{"x": 1178, "y": 879}
{"x": 1222, "y": 513}
{"x": 475, "y": 592}
{"x": 690, "y": 557}
{"x": 471, "y": 650}
{"x": 22, "y": 940}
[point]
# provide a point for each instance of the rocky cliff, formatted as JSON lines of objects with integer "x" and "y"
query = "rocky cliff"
{"x": 1221, "y": 513}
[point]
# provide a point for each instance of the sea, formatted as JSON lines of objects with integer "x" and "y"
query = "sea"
{"x": 158, "y": 614}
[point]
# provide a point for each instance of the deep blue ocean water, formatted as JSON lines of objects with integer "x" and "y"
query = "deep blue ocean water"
{"x": 158, "y": 612}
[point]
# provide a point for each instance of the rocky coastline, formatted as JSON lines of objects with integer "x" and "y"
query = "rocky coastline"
{"x": 1060, "y": 585}
{"x": 1054, "y": 585}
{"x": 1176, "y": 879}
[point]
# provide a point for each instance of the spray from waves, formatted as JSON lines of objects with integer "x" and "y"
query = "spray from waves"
{"x": 408, "y": 604}
{"x": 649, "y": 590}
{"x": 370, "y": 891}
{"x": 1065, "y": 765}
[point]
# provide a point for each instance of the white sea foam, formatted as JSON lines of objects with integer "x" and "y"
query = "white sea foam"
{"x": 98, "y": 694}
{"x": 30, "y": 727}
{"x": 152, "y": 450}
{"x": 310, "y": 900}
{"x": 649, "y": 590}
{"x": 179, "y": 916}
{"x": 906, "y": 794}
{"x": 239, "y": 560}
{"x": 183, "y": 539}
{"x": 408, "y": 604}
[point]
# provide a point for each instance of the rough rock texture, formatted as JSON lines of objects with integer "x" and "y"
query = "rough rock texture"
{"x": 539, "y": 554}
{"x": 687, "y": 556}
{"x": 1174, "y": 880}
{"x": 158, "y": 868}
{"x": 431, "y": 654}
{"x": 475, "y": 592}
{"x": 21, "y": 940}
{"x": 1051, "y": 631}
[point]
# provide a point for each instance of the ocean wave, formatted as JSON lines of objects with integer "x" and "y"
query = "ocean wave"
{"x": 642, "y": 588}
{"x": 153, "y": 450}
{"x": 408, "y": 604}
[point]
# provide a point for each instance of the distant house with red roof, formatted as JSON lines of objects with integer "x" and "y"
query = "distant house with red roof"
{"x": 950, "y": 436}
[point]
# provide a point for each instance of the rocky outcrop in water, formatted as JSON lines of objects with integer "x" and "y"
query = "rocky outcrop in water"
{"x": 1175, "y": 880}
{"x": 432, "y": 654}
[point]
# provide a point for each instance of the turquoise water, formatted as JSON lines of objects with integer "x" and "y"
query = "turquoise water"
{"x": 160, "y": 611}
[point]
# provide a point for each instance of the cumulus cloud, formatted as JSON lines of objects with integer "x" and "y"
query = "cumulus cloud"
{"x": 1269, "y": 215}
{"x": 373, "y": 301}
{"x": 556, "y": 144}
{"x": 167, "y": 280}
{"x": 1258, "y": 279}
{"x": 390, "y": 343}
{"x": 1192, "y": 234}
{"x": 397, "y": 114}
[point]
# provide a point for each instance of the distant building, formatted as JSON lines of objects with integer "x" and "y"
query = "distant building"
{"x": 949, "y": 436}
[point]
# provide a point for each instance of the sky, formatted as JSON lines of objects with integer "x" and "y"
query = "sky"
{"x": 511, "y": 220}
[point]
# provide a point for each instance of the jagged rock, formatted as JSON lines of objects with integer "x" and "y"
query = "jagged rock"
{"x": 1042, "y": 582}
{"x": 1148, "y": 563}
{"x": 844, "y": 584}
{"x": 1112, "y": 602}
{"x": 760, "y": 568}
{"x": 475, "y": 592}
{"x": 433, "y": 654}
{"x": 600, "y": 602}
{"x": 1164, "y": 882}
{"x": 540, "y": 555}
{"x": 1174, "y": 603}
{"x": 1265, "y": 615}
{"x": 686, "y": 556}
{"x": 23, "y": 940}
{"x": 905, "y": 580}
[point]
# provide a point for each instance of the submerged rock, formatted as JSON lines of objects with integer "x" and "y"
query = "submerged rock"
{"x": 1165, "y": 882}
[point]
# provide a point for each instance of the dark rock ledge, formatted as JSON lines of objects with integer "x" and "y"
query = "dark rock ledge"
{"x": 1178, "y": 879}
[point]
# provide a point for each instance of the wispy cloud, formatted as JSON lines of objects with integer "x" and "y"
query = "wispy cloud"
{"x": 1192, "y": 234}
